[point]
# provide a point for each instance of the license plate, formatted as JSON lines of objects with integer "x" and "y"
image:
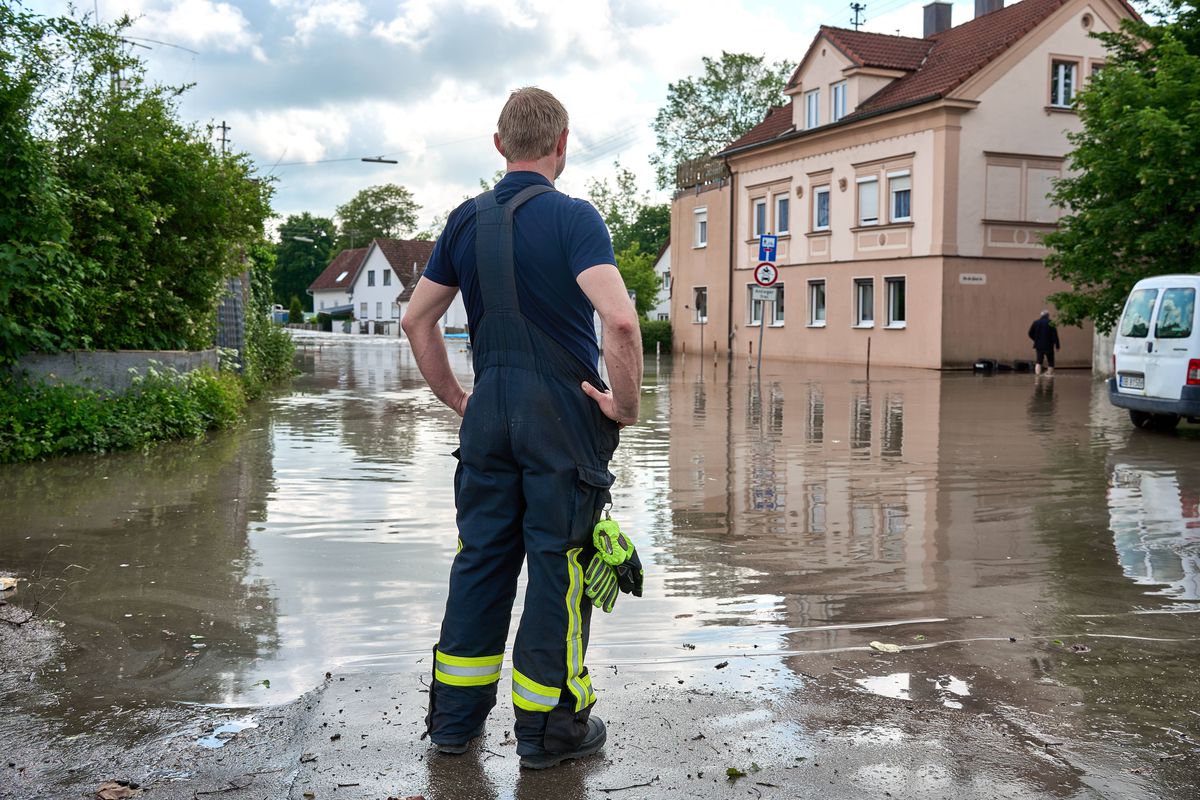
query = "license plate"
{"x": 1132, "y": 382}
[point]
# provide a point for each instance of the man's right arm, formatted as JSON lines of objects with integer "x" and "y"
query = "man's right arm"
{"x": 622, "y": 343}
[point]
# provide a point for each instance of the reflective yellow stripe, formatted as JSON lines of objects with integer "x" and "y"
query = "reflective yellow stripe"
{"x": 575, "y": 631}
{"x": 467, "y": 670}
{"x": 531, "y": 695}
{"x": 470, "y": 661}
{"x": 459, "y": 549}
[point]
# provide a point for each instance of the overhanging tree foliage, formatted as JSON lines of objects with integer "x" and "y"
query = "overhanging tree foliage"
{"x": 1131, "y": 201}
{"x": 305, "y": 247}
{"x": 704, "y": 114}
{"x": 639, "y": 230}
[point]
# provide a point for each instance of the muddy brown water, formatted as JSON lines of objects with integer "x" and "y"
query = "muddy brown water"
{"x": 1037, "y": 557}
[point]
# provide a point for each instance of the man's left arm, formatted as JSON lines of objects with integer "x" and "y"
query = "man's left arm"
{"x": 429, "y": 302}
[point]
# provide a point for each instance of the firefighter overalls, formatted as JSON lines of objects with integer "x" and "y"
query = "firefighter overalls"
{"x": 531, "y": 482}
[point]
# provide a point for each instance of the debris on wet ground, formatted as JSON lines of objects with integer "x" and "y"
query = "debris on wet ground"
{"x": 884, "y": 647}
{"x": 7, "y": 583}
{"x": 722, "y": 665}
{"x": 117, "y": 790}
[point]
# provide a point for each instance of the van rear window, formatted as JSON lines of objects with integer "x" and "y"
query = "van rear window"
{"x": 1175, "y": 314}
{"x": 1136, "y": 320}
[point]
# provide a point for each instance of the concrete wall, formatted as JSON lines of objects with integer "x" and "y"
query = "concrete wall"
{"x": 109, "y": 369}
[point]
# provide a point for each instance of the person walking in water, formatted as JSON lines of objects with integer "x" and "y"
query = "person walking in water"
{"x": 537, "y": 434}
{"x": 1045, "y": 341}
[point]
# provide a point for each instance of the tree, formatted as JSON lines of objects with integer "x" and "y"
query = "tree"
{"x": 628, "y": 213}
{"x": 1134, "y": 187}
{"x": 637, "y": 269}
{"x": 704, "y": 114}
{"x": 388, "y": 211}
{"x": 305, "y": 248}
{"x": 295, "y": 311}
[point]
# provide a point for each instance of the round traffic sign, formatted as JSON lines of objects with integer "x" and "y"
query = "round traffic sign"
{"x": 766, "y": 273}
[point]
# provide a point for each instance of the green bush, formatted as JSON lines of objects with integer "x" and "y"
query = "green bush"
{"x": 295, "y": 312}
{"x": 38, "y": 420}
{"x": 269, "y": 353}
{"x": 654, "y": 331}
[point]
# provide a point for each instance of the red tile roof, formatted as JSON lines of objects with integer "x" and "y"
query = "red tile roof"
{"x": 348, "y": 262}
{"x": 936, "y": 66}
{"x": 401, "y": 254}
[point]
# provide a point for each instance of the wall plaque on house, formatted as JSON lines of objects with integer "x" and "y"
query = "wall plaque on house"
{"x": 972, "y": 278}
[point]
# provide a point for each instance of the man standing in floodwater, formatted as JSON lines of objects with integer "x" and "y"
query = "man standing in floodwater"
{"x": 538, "y": 431}
{"x": 1045, "y": 342}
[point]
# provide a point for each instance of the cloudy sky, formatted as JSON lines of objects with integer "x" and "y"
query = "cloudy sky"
{"x": 308, "y": 87}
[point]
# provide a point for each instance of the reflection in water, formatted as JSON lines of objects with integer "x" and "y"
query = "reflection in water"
{"x": 1156, "y": 529}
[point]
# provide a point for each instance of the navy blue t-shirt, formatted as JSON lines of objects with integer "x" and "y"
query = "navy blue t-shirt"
{"x": 555, "y": 238}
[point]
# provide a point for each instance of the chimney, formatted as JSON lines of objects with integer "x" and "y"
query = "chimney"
{"x": 937, "y": 17}
{"x": 987, "y": 6}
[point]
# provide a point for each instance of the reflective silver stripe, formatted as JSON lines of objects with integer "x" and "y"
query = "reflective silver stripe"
{"x": 535, "y": 697}
{"x": 574, "y": 630}
{"x": 467, "y": 672}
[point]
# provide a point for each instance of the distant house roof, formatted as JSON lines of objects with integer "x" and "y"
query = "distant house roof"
{"x": 339, "y": 275}
{"x": 403, "y": 253}
{"x": 935, "y": 66}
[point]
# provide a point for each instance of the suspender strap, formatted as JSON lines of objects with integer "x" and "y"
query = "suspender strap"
{"x": 494, "y": 264}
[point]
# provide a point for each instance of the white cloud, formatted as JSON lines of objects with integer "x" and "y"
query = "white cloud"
{"x": 345, "y": 17}
{"x": 295, "y": 134}
{"x": 201, "y": 24}
{"x": 411, "y": 26}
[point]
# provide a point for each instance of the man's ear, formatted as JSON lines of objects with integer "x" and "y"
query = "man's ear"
{"x": 561, "y": 147}
{"x": 499, "y": 145}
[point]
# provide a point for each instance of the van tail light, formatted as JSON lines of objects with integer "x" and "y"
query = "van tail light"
{"x": 1194, "y": 372}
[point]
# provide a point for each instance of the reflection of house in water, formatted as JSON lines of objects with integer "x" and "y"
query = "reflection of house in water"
{"x": 853, "y": 500}
{"x": 1156, "y": 529}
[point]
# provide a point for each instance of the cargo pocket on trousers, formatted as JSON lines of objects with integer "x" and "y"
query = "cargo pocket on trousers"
{"x": 591, "y": 496}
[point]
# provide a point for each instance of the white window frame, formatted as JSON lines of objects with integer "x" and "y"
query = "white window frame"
{"x": 755, "y": 217}
{"x": 370, "y": 277}
{"x": 777, "y": 308}
{"x": 817, "y": 192}
{"x": 700, "y": 238}
{"x": 387, "y": 277}
{"x": 893, "y": 177}
{"x": 813, "y": 322}
{"x": 859, "y": 183}
{"x": 784, "y": 228}
{"x": 752, "y": 305}
{"x": 812, "y": 108}
{"x": 395, "y": 311}
{"x": 1060, "y": 69}
{"x": 363, "y": 310}
{"x": 696, "y": 317}
{"x": 378, "y": 309}
{"x": 861, "y": 321}
{"x": 889, "y": 283}
{"x": 837, "y": 101}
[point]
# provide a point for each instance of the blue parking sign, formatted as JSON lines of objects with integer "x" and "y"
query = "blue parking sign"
{"x": 766, "y": 247}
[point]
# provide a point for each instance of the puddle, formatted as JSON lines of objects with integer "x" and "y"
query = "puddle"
{"x": 225, "y": 731}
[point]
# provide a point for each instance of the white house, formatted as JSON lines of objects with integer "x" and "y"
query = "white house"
{"x": 331, "y": 290}
{"x": 662, "y": 268}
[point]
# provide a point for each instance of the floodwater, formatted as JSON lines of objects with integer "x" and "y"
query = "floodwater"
{"x": 1039, "y": 554}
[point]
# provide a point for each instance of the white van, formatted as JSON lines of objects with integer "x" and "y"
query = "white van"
{"x": 1156, "y": 357}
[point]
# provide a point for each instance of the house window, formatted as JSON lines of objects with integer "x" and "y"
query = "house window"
{"x": 760, "y": 217}
{"x": 370, "y": 277}
{"x": 895, "y": 302}
{"x": 362, "y": 311}
{"x": 1018, "y": 188}
{"x": 755, "y": 314}
{"x": 864, "y": 302}
{"x": 700, "y": 304}
{"x": 701, "y": 215}
{"x": 387, "y": 277}
{"x": 782, "y": 212}
{"x": 838, "y": 107}
{"x": 900, "y": 191}
{"x": 1063, "y": 82}
{"x": 816, "y": 304}
{"x": 777, "y": 306}
{"x": 868, "y": 201}
{"x": 395, "y": 311}
{"x": 379, "y": 310}
{"x": 821, "y": 208}
{"x": 812, "y": 108}
{"x": 322, "y": 304}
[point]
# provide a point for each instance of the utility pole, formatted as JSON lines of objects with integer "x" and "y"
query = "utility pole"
{"x": 858, "y": 8}
{"x": 224, "y": 129}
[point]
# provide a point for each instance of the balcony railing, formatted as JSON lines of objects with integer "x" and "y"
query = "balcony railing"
{"x": 699, "y": 172}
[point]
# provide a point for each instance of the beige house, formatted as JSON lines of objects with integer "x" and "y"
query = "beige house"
{"x": 906, "y": 181}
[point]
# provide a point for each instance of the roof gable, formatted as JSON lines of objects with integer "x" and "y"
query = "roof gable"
{"x": 340, "y": 274}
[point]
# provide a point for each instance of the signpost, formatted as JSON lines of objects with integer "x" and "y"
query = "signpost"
{"x": 766, "y": 247}
{"x": 765, "y": 275}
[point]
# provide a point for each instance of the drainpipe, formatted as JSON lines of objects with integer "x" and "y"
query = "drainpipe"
{"x": 732, "y": 235}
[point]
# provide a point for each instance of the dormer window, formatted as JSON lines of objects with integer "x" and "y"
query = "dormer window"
{"x": 838, "y": 102}
{"x": 812, "y": 108}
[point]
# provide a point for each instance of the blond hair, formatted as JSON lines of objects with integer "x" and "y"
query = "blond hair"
{"x": 530, "y": 124}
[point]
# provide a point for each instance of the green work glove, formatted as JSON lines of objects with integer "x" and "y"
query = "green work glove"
{"x": 630, "y": 575}
{"x": 600, "y": 584}
{"x": 617, "y": 550}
